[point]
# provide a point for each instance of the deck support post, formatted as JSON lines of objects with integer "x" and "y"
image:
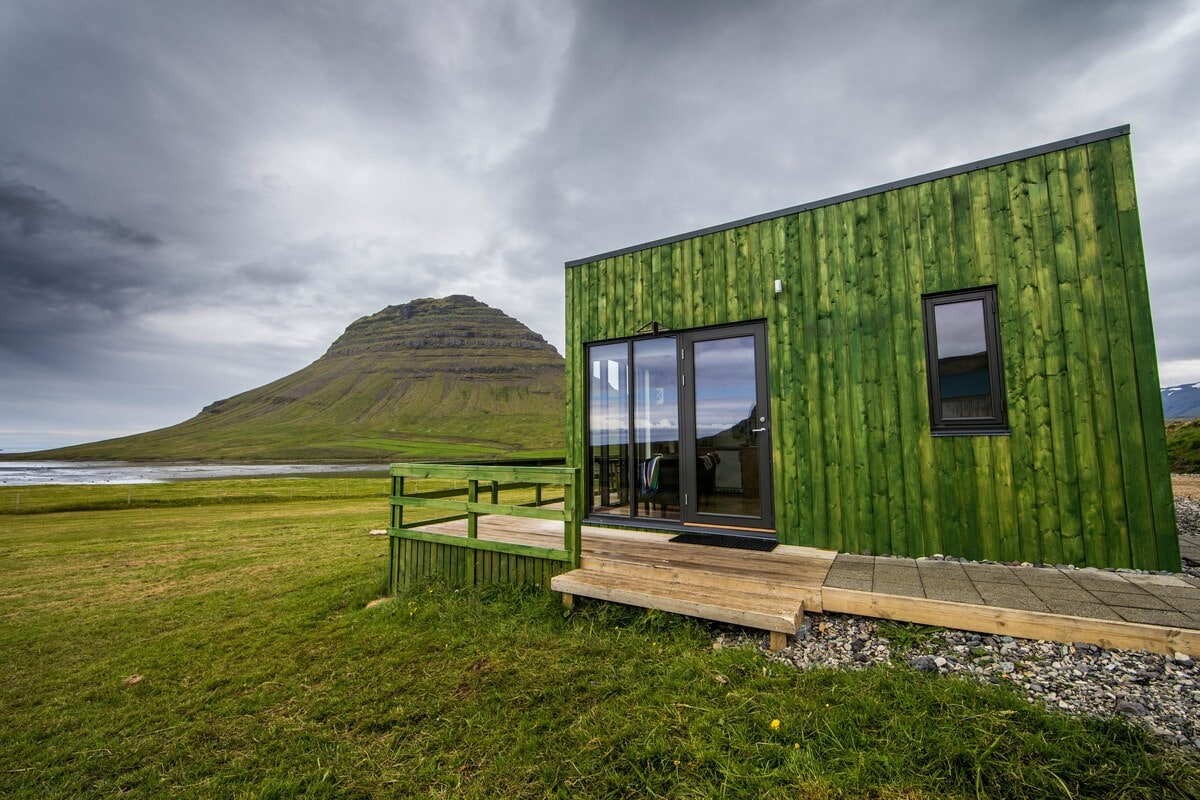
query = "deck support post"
{"x": 568, "y": 601}
{"x": 778, "y": 641}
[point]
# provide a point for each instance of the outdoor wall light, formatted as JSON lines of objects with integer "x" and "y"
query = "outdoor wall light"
{"x": 778, "y": 286}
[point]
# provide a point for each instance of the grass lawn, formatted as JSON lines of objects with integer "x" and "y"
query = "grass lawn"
{"x": 214, "y": 642}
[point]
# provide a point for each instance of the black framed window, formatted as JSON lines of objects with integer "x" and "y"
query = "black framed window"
{"x": 964, "y": 365}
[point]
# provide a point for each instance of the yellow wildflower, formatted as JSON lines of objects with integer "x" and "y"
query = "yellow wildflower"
{"x": 775, "y": 724}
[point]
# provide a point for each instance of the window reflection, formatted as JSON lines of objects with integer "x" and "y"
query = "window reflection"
{"x": 726, "y": 397}
{"x": 656, "y": 424}
{"x": 964, "y": 381}
{"x": 608, "y": 427}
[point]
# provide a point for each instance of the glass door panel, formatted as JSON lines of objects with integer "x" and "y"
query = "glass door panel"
{"x": 608, "y": 428}
{"x": 656, "y": 426}
{"x": 729, "y": 429}
{"x": 726, "y": 411}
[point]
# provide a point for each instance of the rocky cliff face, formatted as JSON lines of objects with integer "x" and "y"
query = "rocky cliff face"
{"x": 448, "y": 324}
{"x": 437, "y": 376}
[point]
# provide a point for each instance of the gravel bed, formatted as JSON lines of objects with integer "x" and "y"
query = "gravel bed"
{"x": 1160, "y": 693}
{"x": 1187, "y": 519}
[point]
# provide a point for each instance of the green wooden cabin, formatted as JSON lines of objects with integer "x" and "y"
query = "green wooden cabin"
{"x": 959, "y": 363}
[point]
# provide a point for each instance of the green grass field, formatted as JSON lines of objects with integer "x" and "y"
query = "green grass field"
{"x": 1183, "y": 446}
{"x": 213, "y": 640}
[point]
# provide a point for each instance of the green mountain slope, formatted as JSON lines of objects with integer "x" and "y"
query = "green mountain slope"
{"x": 448, "y": 377}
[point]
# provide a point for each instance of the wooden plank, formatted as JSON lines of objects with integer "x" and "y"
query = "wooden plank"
{"x": 602, "y": 299}
{"x": 761, "y": 268}
{"x": 997, "y": 519}
{"x": 489, "y": 545}
{"x": 783, "y": 467}
{"x": 1099, "y": 358}
{"x": 696, "y": 315}
{"x": 800, "y": 469}
{"x": 938, "y": 226}
{"x": 1018, "y": 500}
{"x": 863, "y": 506}
{"x": 608, "y": 285}
{"x": 676, "y": 277}
{"x": 1058, "y": 390}
{"x": 1135, "y": 496}
{"x": 685, "y": 270}
{"x": 919, "y": 485}
{"x": 736, "y": 608}
{"x": 871, "y": 323}
{"x": 847, "y": 423}
{"x": 1014, "y": 622}
{"x": 716, "y": 274}
{"x": 715, "y": 582}
{"x": 731, "y": 309}
{"x": 1146, "y": 364}
{"x": 531, "y": 512}
{"x": 831, "y": 328}
{"x": 889, "y": 310}
{"x": 507, "y": 475}
{"x": 803, "y": 347}
{"x": 972, "y": 492}
{"x": 1078, "y": 374}
{"x": 1115, "y": 531}
{"x": 1023, "y": 337}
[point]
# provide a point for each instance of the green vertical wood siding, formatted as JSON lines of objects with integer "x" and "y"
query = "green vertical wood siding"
{"x": 1081, "y": 478}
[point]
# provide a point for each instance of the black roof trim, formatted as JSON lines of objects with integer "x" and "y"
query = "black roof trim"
{"x": 1075, "y": 141}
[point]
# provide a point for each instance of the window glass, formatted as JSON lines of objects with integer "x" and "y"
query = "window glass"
{"x": 656, "y": 426}
{"x": 966, "y": 380}
{"x": 608, "y": 427}
{"x": 726, "y": 391}
{"x": 964, "y": 383}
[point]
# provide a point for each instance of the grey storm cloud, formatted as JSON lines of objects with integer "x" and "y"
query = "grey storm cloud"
{"x": 196, "y": 199}
{"x": 62, "y": 272}
{"x": 31, "y": 213}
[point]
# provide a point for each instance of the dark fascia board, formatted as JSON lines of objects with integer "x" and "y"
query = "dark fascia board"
{"x": 994, "y": 161}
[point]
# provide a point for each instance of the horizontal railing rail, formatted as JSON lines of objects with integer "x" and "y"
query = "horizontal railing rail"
{"x": 483, "y": 485}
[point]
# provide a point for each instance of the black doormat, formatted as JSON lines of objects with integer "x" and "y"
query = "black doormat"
{"x": 723, "y": 540}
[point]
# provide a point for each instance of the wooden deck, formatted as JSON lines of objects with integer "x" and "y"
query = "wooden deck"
{"x": 771, "y": 591}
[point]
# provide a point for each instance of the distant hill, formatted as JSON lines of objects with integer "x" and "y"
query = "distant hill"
{"x": 448, "y": 377}
{"x": 1181, "y": 402}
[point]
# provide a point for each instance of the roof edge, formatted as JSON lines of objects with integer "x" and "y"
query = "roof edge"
{"x": 1062, "y": 144}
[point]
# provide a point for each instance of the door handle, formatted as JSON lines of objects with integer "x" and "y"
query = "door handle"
{"x": 758, "y": 430}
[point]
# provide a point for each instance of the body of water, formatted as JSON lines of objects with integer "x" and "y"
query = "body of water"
{"x": 30, "y": 473}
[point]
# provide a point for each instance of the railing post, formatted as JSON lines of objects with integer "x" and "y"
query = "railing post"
{"x": 537, "y": 495}
{"x": 397, "y": 511}
{"x": 495, "y": 491}
{"x": 472, "y": 516}
{"x": 572, "y": 539}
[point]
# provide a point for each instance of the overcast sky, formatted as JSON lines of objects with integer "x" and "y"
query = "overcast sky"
{"x": 197, "y": 198}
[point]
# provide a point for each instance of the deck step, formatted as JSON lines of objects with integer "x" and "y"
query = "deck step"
{"x": 747, "y": 608}
{"x": 714, "y": 579}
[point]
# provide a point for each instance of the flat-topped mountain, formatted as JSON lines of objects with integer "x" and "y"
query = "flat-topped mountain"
{"x": 445, "y": 377}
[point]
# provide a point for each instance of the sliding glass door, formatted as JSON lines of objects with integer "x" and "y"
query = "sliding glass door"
{"x": 679, "y": 429}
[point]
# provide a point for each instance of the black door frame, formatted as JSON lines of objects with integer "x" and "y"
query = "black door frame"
{"x": 764, "y": 524}
{"x": 688, "y": 517}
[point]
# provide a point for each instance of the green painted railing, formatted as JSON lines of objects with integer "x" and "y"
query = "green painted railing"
{"x": 490, "y": 480}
